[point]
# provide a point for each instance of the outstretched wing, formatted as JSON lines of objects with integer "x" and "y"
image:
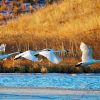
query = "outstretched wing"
{"x": 50, "y": 56}
{"x": 86, "y": 52}
{"x": 2, "y": 47}
{"x": 28, "y": 55}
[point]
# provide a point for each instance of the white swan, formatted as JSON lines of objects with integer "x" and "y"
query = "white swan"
{"x": 87, "y": 58}
{"x": 2, "y": 47}
{"x": 4, "y": 56}
{"x": 30, "y": 55}
{"x": 50, "y": 55}
{"x": 33, "y": 55}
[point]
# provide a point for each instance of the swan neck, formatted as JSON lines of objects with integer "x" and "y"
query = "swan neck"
{"x": 13, "y": 53}
{"x": 60, "y": 51}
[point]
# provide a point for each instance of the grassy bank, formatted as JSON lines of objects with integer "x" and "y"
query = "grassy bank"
{"x": 61, "y": 26}
{"x": 25, "y": 66}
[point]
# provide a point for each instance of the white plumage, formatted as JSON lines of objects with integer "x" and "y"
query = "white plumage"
{"x": 48, "y": 53}
{"x": 87, "y": 52}
{"x": 28, "y": 55}
{"x": 2, "y": 47}
{"x": 4, "y": 56}
{"x": 87, "y": 55}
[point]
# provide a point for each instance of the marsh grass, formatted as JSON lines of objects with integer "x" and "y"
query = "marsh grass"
{"x": 25, "y": 66}
{"x": 61, "y": 26}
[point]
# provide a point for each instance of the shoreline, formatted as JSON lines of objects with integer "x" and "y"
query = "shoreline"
{"x": 46, "y": 91}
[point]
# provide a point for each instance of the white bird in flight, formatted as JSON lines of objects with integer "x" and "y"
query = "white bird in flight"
{"x": 30, "y": 55}
{"x": 87, "y": 56}
{"x": 2, "y": 47}
{"x": 48, "y": 53}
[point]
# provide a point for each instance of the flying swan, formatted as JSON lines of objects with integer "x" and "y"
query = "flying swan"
{"x": 2, "y": 47}
{"x": 87, "y": 58}
{"x": 48, "y": 53}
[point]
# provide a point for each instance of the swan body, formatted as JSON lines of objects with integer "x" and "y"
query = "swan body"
{"x": 51, "y": 56}
{"x": 30, "y": 55}
{"x": 87, "y": 56}
{"x": 48, "y": 53}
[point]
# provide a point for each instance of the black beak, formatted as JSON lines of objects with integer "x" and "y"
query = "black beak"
{"x": 15, "y": 58}
{"x": 20, "y": 51}
{"x": 78, "y": 65}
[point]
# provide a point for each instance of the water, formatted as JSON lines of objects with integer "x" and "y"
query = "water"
{"x": 48, "y": 97}
{"x": 53, "y": 80}
{"x": 68, "y": 81}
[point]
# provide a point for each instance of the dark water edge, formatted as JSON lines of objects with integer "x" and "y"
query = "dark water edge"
{"x": 48, "y": 97}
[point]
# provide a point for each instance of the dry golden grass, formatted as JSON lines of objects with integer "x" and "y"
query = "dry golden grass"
{"x": 72, "y": 21}
{"x": 61, "y": 26}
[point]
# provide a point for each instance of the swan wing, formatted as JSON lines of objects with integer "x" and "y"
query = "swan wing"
{"x": 28, "y": 55}
{"x": 50, "y": 56}
{"x": 86, "y": 52}
{"x": 2, "y": 47}
{"x": 5, "y": 56}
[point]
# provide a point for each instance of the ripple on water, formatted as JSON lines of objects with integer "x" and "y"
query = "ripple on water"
{"x": 68, "y": 81}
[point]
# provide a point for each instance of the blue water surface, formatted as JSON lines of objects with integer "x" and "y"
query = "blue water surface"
{"x": 48, "y": 97}
{"x": 54, "y": 80}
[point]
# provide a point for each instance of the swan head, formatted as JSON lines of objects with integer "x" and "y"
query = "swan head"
{"x": 17, "y": 57}
{"x": 84, "y": 64}
{"x": 78, "y": 64}
{"x": 48, "y": 49}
